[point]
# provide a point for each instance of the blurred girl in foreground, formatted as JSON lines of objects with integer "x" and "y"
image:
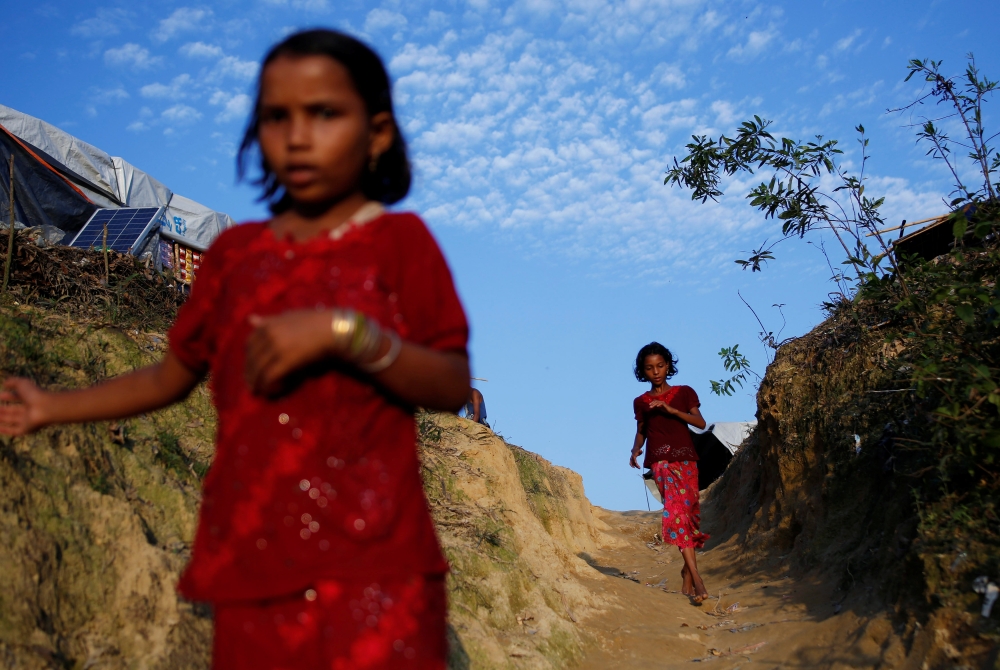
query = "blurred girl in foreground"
{"x": 322, "y": 328}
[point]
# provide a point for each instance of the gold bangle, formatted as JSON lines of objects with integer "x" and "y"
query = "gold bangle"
{"x": 395, "y": 346}
{"x": 343, "y": 325}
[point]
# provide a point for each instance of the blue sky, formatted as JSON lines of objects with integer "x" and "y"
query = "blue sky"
{"x": 540, "y": 132}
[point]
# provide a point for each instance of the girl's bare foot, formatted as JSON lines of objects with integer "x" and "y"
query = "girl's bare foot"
{"x": 700, "y": 594}
{"x": 687, "y": 586}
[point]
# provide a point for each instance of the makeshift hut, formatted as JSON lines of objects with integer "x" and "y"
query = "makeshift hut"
{"x": 74, "y": 192}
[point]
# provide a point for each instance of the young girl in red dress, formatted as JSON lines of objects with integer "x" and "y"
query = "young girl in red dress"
{"x": 662, "y": 416}
{"x": 321, "y": 330}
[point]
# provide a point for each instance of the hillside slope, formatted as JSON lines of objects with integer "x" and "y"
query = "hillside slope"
{"x": 514, "y": 528}
{"x": 96, "y": 524}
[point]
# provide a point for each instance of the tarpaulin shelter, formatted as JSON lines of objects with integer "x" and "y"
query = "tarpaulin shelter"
{"x": 62, "y": 182}
{"x": 934, "y": 237}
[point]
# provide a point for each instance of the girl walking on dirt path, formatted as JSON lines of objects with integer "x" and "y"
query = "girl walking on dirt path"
{"x": 662, "y": 416}
{"x": 322, "y": 328}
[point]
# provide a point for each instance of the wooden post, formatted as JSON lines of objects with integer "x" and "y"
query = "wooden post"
{"x": 104, "y": 245}
{"x": 10, "y": 238}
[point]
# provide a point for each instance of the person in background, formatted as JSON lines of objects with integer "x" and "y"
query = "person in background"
{"x": 662, "y": 416}
{"x": 322, "y": 329}
{"x": 475, "y": 407}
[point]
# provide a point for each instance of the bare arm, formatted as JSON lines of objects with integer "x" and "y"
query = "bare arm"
{"x": 428, "y": 378}
{"x": 420, "y": 376}
{"x": 477, "y": 402}
{"x": 24, "y": 408}
{"x": 640, "y": 439}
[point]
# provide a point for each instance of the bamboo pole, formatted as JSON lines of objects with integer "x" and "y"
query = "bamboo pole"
{"x": 104, "y": 245}
{"x": 10, "y": 238}
{"x": 906, "y": 225}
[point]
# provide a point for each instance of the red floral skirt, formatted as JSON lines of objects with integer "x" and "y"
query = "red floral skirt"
{"x": 678, "y": 484}
{"x": 338, "y": 626}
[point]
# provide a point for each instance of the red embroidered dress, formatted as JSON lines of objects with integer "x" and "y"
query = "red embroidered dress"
{"x": 671, "y": 455}
{"x": 321, "y": 483}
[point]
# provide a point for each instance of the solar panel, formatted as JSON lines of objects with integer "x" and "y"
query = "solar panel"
{"x": 127, "y": 228}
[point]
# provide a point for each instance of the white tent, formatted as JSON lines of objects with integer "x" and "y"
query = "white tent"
{"x": 732, "y": 433}
{"x": 112, "y": 182}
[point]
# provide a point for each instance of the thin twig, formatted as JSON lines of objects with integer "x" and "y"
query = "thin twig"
{"x": 10, "y": 238}
{"x": 104, "y": 244}
{"x": 762, "y": 328}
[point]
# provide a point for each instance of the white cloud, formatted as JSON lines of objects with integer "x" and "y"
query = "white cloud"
{"x": 131, "y": 55}
{"x": 861, "y": 97}
{"x": 670, "y": 75}
{"x": 305, "y": 5}
{"x": 234, "y": 67}
{"x": 756, "y": 42}
{"x": 725, "y": 113}
{"x": 200, "y": 50}
{"x": 183, "y": 20}
{"x": 179, "y": 87}
{"x": 107, "y": 23}
{"x": 136, "y": 127}
{"x": 384, "y": 20}
{"x": 181, "y": 114}
{"x": 710, "y": 19}
{"x": 554, "y": 131}
{"x": 108, "y": 95}
{"x": 103, "y": 96}
{"x": 234, "y": 105}
{"x": 845, "y": 43}
{"x": 531, "y": 132}
{"x": 412, "y": 57}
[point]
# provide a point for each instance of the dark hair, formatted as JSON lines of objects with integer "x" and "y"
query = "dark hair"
{"x": 653, "y": 349}
{"x": 390, "y": 181}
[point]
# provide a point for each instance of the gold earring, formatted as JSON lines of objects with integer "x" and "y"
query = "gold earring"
{"x": 373, "y": 163}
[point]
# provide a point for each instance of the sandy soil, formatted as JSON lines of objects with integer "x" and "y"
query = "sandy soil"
{"x": 766, "y": 618}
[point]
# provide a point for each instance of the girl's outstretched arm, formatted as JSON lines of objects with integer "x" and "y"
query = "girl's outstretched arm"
{"x": 24, "y": 407}
{"x": 640, "y": 439}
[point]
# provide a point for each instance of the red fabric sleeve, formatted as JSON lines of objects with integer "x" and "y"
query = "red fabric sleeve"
{"x": 692, "y": 399}
{"x": 428, "y": 300}
{"x": 191, "y": 338}
{"x": 639, "y": 408}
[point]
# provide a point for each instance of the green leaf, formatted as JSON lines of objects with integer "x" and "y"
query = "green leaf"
{"x": 965, "y": 313}
{"x": 961, "y": 225}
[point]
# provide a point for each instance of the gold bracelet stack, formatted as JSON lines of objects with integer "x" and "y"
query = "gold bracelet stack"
{"x": 358, "y": 339}
{"x": 395, "y": 345}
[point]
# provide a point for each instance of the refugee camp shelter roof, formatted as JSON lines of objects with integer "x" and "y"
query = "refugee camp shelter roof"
{"x": 112, "y": 182}
{"x": 732, "y": 433}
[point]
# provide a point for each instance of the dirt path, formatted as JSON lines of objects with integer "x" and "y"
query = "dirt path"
{"x": 767, "y": 618}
